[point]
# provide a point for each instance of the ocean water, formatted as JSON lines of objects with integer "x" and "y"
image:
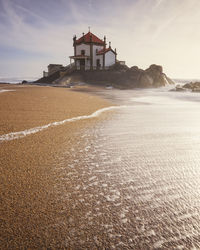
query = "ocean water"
{"x": 135, "y": 178}
{"x": 14, "y": 80}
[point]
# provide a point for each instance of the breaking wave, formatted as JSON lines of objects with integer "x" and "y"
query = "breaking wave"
{"x": 21, "y": 134}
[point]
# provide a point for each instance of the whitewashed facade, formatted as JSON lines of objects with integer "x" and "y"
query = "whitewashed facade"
{"x": 90, "y": 53}
{"x": 109, "y": 58}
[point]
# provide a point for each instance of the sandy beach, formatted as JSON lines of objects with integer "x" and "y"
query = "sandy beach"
{"x": 28, "y": 203}
{"x": 24, "y": 107}
{"x": 127, "y": 179}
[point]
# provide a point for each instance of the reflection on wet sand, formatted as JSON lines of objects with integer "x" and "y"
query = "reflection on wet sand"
{"x": 130, "y": 181}
{"x": 135, "y": 180}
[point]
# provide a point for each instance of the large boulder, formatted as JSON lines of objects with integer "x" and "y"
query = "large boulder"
{"x": 188, "y": 86}
{"x": 155, "y": 73}
{"x": 145, "y": 81}
{"x": 192, "y": 85}
{"x": 152, "y": 77}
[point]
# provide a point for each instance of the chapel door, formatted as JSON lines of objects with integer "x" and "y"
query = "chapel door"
{"x": 82, "y": 64}
{"x": 98, "y": 64}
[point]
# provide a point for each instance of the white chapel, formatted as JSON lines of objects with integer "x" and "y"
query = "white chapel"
{"x": 91, "y": 53}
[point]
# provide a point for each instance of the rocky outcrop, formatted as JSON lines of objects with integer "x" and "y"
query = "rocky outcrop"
{"x": 178, "y": 88}
{"x": 118, "y": 76}
{"x": 192, "y": 86}
{"x": 24, "y": 82}
{"x": 49, "y": 79}
{"x": 151, "y": 77}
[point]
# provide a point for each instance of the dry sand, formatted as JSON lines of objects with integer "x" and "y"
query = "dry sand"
{"x": 28, "y": 203}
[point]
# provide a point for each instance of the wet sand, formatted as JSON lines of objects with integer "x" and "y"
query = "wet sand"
{"x": 24, "y": 106}
{"x": 137, "y": 183}
{"x": 29, "y": 206}
{"x": 131, "y": 181}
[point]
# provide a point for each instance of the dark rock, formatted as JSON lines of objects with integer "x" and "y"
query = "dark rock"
{"x": 24, "y": 82}
{"x": 156, "y": 76}
{"x": 119, "y": 76}
{"x": 119, "y": 67}
{"x": 49, "y": 79}
{"x": 135, "y": 69}
{"x": 194, "y": 86}
{"x": 169, "y": 80}
{"x": 145, "y": 81}
{"x": 187, "y": 86}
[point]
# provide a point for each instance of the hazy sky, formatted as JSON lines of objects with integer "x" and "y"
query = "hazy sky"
{"x": 34, "y": 33}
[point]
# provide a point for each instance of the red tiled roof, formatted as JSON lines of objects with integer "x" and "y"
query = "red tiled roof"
{"x": 103, "y": 51}
{"x": 88, "y": 38}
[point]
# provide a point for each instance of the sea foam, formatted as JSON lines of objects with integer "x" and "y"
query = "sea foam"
{"x": 6, "y": 90}
{"x": 21, "y": 134}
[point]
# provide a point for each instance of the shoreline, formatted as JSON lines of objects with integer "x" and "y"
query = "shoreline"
{"x": 26, "y": 107}
{"x": 29, "y": 205}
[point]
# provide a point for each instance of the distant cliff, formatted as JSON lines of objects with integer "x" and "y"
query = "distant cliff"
{"x": 118, "y": 76}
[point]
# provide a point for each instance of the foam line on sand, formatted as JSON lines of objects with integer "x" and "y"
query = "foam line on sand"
{"x": 6, "y": 90}
{"x": 21, "y": 134}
